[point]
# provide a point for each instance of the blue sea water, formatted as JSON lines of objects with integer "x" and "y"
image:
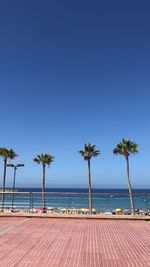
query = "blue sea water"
{"x": 58, "y": 198}
{"x": 85, "y": 190}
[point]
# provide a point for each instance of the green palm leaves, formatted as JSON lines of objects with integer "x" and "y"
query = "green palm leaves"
{"x": 7, "y": 153}
{"x": 89, "y": 151}
{"x": 125, "y": 148}
{"x": 44, "y": 159}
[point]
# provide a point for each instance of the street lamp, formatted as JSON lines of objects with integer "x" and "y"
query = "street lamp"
{"x": 14, "y": 180}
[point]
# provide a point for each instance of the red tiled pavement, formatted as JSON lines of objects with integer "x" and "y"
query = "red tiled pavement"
{"x": 74, "y": 243}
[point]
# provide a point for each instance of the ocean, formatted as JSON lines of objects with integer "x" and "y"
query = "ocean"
{"x": 75, "y": 198}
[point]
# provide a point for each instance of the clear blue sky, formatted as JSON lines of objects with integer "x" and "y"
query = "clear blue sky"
{"x": 73, "y": 72}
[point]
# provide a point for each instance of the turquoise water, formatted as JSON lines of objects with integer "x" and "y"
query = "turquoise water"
{"x": 103, "y": 199}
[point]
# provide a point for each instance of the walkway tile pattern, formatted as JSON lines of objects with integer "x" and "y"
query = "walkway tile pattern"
{"x": 73, "y": 243}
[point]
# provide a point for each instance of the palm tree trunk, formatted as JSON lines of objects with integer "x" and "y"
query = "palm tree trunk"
{"x": 43, "y": 189}
{"x": 129, "y": 185}
{"x": 13, "y": 189}
{"x": 4, "y": 182}
{"x": 90, "y": 193}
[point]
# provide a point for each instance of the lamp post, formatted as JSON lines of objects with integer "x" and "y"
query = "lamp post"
{"x": 14, "y": 180}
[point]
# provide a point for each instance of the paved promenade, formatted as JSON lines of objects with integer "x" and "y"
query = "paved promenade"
{"x": 52, "y": 242}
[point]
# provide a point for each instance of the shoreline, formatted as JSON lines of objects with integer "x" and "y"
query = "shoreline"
{"x": 30, "y": 214}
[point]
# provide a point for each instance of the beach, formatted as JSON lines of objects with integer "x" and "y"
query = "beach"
{"x": 75, "y": 201}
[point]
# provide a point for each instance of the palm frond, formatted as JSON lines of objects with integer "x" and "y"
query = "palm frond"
{"x": 44, "y": 159}
{"x": 89, "y": 151}
{"x": 12, "y": 154}
{"x": 3, "y": 152}
{"x": 125, "y": 147}
{"x": 7, "y": 153}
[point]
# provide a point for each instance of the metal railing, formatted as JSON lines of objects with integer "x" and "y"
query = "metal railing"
{"x": 73, "y": 201}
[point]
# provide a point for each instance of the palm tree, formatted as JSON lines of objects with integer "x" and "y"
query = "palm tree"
{"x": 125, "y": 148}
{"x": 44, "y": 159}
{"x": 6, "y": 154}
{"x": 89, "y": 152}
